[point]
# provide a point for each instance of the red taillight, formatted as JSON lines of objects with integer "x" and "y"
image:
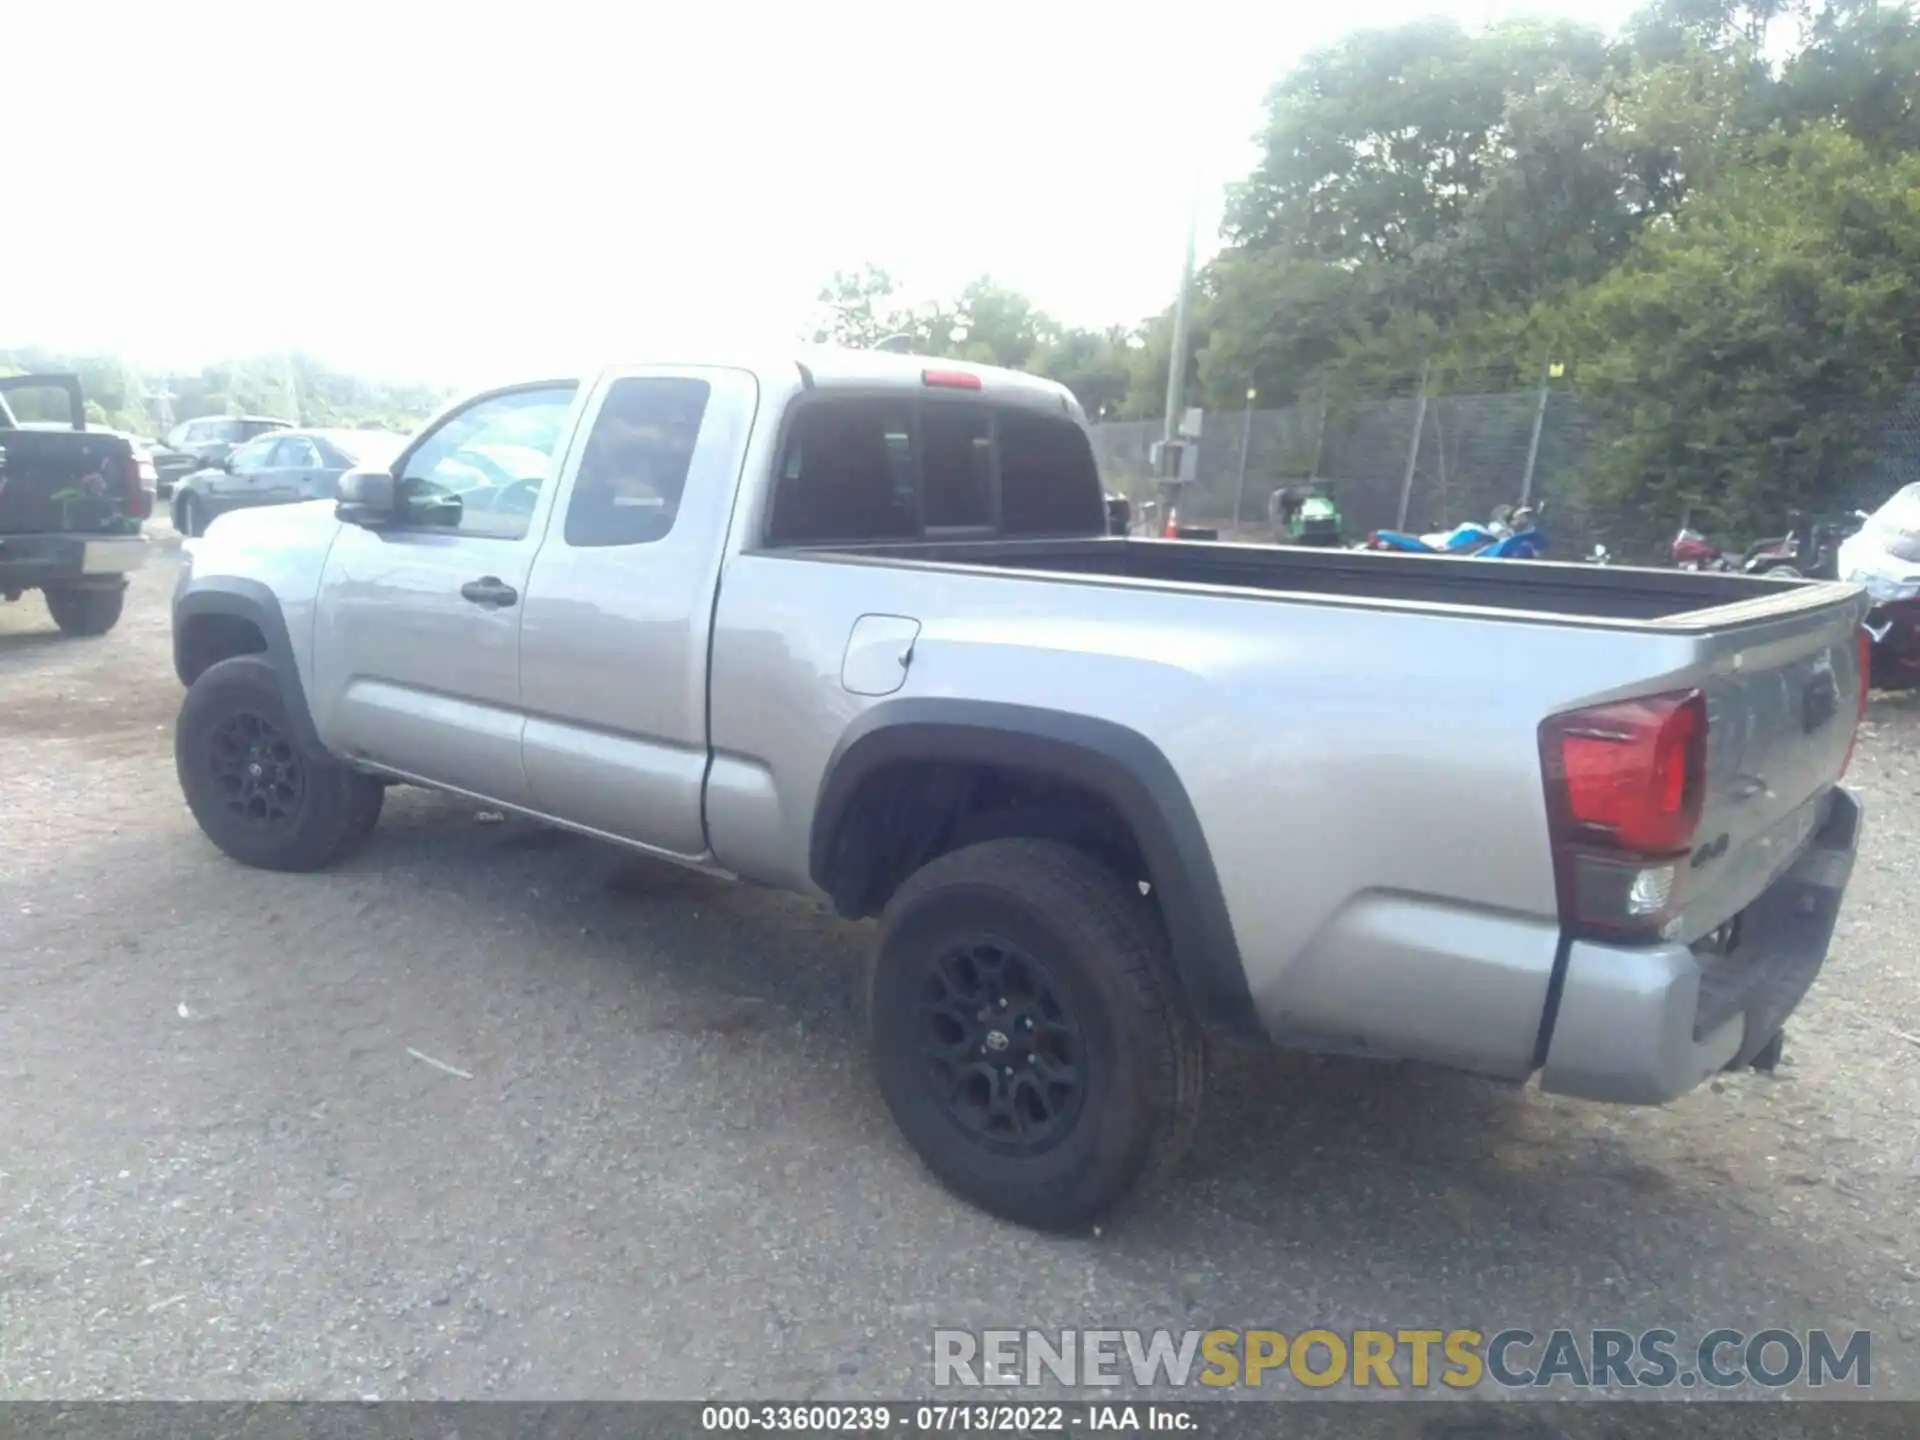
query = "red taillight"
{"x": 950, "y": 379}
{"x": 1632, "y": 773}
{"x": 1625, "y": 787}
{"x": 139, "y": 501}
{"x": 1863, "y": 651}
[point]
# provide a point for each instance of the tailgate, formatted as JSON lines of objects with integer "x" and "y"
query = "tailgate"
{"x": 1783, "y": 697}
{"x": 63, "y": 482}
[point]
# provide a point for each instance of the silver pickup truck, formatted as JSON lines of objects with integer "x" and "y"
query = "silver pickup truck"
{"x": 852, "y": 625}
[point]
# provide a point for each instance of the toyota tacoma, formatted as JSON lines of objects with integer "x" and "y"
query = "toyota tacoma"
{"x": 854, "y": 625}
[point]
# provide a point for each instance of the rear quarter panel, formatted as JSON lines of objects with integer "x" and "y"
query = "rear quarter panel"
{"x": 1367, "y": 779}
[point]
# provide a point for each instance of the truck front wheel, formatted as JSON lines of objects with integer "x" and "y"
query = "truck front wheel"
{"x": 1029, "y": 1034}
{"x": 257, "y": 793}
{"x": 82, "y": 610}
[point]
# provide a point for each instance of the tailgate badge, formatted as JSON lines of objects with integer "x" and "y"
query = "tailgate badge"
{"x": 1709, "y": 852}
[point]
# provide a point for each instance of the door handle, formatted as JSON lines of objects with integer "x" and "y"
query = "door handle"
{"x": 490, "y": 591}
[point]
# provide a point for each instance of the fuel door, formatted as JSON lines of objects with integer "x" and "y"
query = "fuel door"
{"x": 879, "y": 652}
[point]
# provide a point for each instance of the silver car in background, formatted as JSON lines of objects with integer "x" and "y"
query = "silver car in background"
{"x": 280, "y": 468}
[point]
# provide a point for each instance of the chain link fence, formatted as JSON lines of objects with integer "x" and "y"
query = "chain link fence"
{"x": 1388, "y": 462}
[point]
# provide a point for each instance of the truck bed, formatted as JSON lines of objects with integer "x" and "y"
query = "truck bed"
{"x": 1610, "y": 596}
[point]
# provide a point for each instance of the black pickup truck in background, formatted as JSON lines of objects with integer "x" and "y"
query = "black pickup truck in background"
{"x": 72, "y": 502}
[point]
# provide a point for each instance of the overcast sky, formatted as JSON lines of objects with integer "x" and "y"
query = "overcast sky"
{"x": 434, "y": 191}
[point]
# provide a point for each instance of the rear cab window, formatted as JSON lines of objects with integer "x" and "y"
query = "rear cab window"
{"x": 882, "y": 467}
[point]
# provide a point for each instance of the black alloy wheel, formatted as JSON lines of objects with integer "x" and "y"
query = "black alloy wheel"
{"x": 257, "y": 771}
{"x": 1003, "y": 1052}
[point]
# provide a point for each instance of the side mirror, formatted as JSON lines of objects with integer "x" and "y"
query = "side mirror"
{"x": 367, "y": 498}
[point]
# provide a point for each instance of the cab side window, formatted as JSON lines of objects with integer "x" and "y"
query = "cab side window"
{"x": 481, "y": 471}
{"x": 634, "y": 467}
{"x": 250, "y": 457}
{"x": 294, "y": 453}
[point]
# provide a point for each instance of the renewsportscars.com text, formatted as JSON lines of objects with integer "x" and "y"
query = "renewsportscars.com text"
{"x": 1458, "y": 1359}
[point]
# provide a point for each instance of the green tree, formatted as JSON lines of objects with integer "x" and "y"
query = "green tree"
{"x": 859, "y": 309}
{"x": 1717, "y": 240}
{"x": 125, "y": 396}
{"x": 1273, "y": 322}
{"x": 1860, "y": 70}
{"x": 1741, "y": 355}
{"x": 1377, "y": 147}
{"x": 1097, "y": 365}
{"x": 987, "y": 323}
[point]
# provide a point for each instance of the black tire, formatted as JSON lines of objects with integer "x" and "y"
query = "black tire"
{"x": 1087, "y": 938}
{"x": 83, "y": 611}
{"x": 186, "y": 516}
{"x": 257, "y": 793}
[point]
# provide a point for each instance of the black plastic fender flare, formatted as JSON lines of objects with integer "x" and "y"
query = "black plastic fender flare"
{"x": 1120, "y": 765}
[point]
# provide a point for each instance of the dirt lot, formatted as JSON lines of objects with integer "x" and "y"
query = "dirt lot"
{"x": 227, "y": 1171}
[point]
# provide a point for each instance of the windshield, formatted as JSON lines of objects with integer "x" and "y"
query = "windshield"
{"x": 367, "y": 447}
{"x": 1895, "y": 526}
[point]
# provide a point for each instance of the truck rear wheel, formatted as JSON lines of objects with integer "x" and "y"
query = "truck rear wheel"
{"x": 1029, "y": 1034}
{"x": 257, "y": 793}
{"x": 83, "y": 610}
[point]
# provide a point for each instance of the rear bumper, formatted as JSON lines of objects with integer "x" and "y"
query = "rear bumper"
{"x": 30, "y": 561}
{"x": 1642, "y": 1025}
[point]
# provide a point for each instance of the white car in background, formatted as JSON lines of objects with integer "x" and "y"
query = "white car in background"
{"x": 1883, "y": 558}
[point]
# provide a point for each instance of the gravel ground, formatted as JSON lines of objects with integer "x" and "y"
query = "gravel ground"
{"x": 230, "y": 1167}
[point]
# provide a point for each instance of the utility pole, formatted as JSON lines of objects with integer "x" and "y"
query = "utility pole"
{"x": 1413, "y": 449}
{"x": 1319, "y": 435}
{"x": 1177, "y": 361}
{"x": 293, "y": 394}
{"x": 1246, "y": 437}
{"x": 1539, "y": 418}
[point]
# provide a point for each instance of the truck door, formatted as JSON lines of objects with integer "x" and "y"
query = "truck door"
{"x": 416, "y": 650}
{"x": 619, "y": 607}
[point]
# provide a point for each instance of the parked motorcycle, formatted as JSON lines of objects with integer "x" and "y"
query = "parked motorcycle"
{"x": 1883, "y": 558}
{"x": 1692, "y": 550}
{"x": 1509, "y": 535}
{"x": 1828, "y": 537}
{"x": 1806, "y": 550}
